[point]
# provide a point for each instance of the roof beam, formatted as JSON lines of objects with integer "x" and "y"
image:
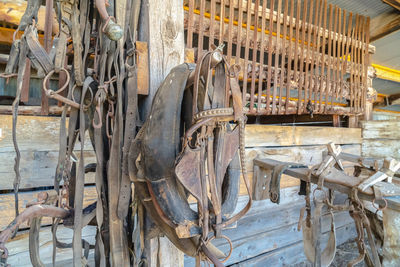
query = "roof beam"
{"x": 386, "y": 73}
{"x": 384, "y": 24}
{"x": 393, "y": 3}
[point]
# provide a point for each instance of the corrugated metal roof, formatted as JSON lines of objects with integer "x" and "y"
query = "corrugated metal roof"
{"x": 386, "y": 87}
{"x": 371, "y": 8}
{"x": 388, "y": 51}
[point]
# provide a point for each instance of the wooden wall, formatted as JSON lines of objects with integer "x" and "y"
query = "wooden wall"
{"x": 266, "y": 235}
{"x": 381, "y": 139}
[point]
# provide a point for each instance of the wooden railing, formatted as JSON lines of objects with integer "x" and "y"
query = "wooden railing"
{"x": 296, "y": 57}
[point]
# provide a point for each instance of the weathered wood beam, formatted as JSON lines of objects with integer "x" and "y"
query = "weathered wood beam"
{"x": 12, "y": 11}
{"x": 393, "y": 3}
{"x": 384, "y": 24}
{"x": 387, "y": 73}
{"x": 161, "y": 25}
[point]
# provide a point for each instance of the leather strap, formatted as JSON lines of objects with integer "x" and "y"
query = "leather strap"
{"x": 66, "y": 10}
{"x": 80, "y": 181}
{"x": 21, "y": 72}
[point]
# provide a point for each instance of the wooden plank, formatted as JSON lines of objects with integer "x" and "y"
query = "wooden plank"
{"x": 38, "y": 169}
{"x": 381, "y": 148}
{"x": 393, "y": 3}
{"x": 142, "y": 68}
{"x": 307, "y": 155}
{"x": 381, "y": 130}
{"x": 294, "y": 254}
{"x": 384, "y": 24}
{"x": 34, "y": 133}
{"x": 12, "y": 11}
{"x": 266, "y": 135}
{"x": 165, "y": 39}
{"x": 19, "y": 248}
{"x": 256, "y": 234}
{"x": 29, "y": 110}
{"x": 7, "y": 212}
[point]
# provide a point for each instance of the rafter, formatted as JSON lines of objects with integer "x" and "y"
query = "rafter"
{"x": 393, "y": 3}
{"x": 384, "y": 24}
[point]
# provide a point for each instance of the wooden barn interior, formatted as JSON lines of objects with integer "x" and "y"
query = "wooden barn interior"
{"x": 319, "y": 85}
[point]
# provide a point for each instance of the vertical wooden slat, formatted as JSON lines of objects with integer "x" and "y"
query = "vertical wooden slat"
{"x": 262, "y": 51}
{"x": 221, "y": 22}
{"x": 315, "y": 44}
{"x": 338, "y": 44}
{"x": 239, "y": 32}
{"x": 308, "y": 54}
{"x": 230, "y": 28}
{"x": 366, "y": 63}
{"x": 298, "y": 69}
{"x": 254, "y": 57}
{"x": 320, "y": 62}
{"x": 201, "y": 28}
{"x": 189, "y": 41}
{"x": 353, "y": 61}
{"x": 276, "y": 65}
{"x": 331, "y": 46}
{"x": 290, "y": 57}
{"x": 283, "y": 55}
{"x": 269, "y": 78}
{"x": 212, "y": 23}
{"x": 362, "y": 61}
{"x": 326, "y": 77}
{"x": 246, "y": 51}
{"x": 342, "y": 56}
{"x": 361, "y": 87}
{"x": 348, "y": 44}
{"x": 357, "y": 65}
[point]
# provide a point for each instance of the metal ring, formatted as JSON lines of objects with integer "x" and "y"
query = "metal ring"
{"x": 234, "y": 70}
{"x": 230, "y": 245}
{"x": 46, "y": 79}
{"x": 378, "y": 207}
{"x": 319, "y": 189}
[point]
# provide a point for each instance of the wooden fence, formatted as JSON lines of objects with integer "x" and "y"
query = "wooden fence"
{"x": 296, "y": 56}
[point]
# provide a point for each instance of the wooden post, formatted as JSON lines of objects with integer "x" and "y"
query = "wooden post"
{"x": 165, "y": 37}
{"x": 371, "y": 95}
{"x": 336, "y": 120}
{"x": 161, "y": 25}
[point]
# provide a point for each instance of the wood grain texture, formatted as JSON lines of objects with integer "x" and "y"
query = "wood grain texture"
{"x": 269, "y": 228}
{"x": 34, "y": 133}
{"x": 307, "y": 155}
{"x": 381, "y": 130}
{"x": 165, "y": 39}
{"x": 384, "y": 24}
{"x": 266, "y": 135}
{"x": 7, "y": 212}
{"x": 381, "y": 148}
{"x": 19, "y": 247}
{"x": 142, "y": 68}
{"x": 37, "y": 168}
{"x": 12, "y": 11}
{"x": 37, "y": 138}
